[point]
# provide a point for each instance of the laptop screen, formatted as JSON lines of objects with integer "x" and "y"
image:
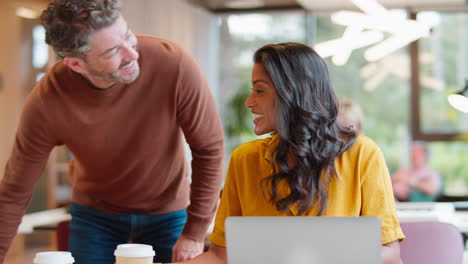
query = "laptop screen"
{"x": 303, "y": 240}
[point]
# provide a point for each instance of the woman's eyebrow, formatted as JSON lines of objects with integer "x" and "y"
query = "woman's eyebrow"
{"x": 259, "y": 81}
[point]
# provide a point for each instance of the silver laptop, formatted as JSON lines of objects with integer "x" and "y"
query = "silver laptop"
{"x": 303, "y": 240}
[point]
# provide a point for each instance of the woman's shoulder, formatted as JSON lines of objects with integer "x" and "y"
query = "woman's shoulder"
{"x": 364, "y": 143}
{"x": 259, "y": 146}
{"x": 363, "y": 148}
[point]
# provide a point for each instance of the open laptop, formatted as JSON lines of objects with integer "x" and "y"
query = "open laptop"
{"x": 303, "y": 240}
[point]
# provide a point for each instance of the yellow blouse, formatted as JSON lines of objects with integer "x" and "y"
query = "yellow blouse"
{"x": 362, "y": 188}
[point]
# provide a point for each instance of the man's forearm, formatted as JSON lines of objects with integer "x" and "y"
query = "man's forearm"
{"x": 215, "y": 255}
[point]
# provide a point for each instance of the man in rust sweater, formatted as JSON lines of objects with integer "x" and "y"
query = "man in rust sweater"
{"x": 121, "y": 103}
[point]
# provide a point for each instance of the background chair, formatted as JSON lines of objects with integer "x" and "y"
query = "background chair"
{"x": 431, "y": 242}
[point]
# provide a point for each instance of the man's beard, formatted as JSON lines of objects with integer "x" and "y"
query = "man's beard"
{"x": 115, "y": 76}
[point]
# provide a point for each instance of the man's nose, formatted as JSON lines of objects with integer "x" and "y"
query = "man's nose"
{"x": 130, "y": 53}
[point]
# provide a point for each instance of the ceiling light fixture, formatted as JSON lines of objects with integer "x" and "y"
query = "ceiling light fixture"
{"x": 27, "y": 13}
{"x": 244, "y": 4}
{"x": 459, "y": 100}
{"x": 342, "y": 48}
{"x": 375, "y": 18}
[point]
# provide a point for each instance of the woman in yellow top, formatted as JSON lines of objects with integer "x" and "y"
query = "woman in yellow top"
{"x": 311, "y": 165}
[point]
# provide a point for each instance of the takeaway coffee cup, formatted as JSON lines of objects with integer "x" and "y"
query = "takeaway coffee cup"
{"x": 134, "y": 254}
{"x": 53, "y": 257}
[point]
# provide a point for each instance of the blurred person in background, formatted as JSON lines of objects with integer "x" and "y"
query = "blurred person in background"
{"x": 418, "y": 183}
{"x": 351, "y": 115}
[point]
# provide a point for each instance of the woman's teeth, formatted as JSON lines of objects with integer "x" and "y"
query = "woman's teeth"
{"x": 257, "y": 115}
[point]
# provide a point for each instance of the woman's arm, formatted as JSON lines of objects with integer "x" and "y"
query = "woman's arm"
{"x": 391, "y": 253}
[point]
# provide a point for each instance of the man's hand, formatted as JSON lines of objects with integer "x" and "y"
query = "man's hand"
{"x": 186, "y": 249}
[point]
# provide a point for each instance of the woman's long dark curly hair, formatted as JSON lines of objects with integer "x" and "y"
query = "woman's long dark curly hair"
{"x": 309, "y": 135}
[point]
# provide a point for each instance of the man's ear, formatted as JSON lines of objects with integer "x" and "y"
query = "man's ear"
{"x": 76, "y": 64}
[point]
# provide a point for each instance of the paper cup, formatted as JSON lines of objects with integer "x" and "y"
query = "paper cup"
{"x": 53, "y": 257}
{"x": 134, "y": 254}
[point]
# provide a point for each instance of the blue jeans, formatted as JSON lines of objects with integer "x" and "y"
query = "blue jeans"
{"x": 94, "y": 235}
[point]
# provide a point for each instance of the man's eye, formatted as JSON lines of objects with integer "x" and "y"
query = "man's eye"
{"x": 258, "y": 91}
{"x": 112, "y": 53}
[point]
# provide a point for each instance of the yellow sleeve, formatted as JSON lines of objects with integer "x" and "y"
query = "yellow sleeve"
{"x": 229, "y": 205}
{"x": 377, "y": 194}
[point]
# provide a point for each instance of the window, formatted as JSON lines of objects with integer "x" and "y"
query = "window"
{"x": 381, "y": 88}
{"x": 442, "y": 69}
{"x": 241, "y": 36}
{"x": 40, "y": 49}
{"x": 384, "y": 88}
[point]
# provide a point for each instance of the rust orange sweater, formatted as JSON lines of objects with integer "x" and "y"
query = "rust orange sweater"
{"x": 127, "y": 141}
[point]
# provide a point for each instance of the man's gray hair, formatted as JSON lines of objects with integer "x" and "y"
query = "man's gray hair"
{"x": 69, "y": 23}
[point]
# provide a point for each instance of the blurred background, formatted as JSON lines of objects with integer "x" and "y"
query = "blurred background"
{"x": 402, "y": 93}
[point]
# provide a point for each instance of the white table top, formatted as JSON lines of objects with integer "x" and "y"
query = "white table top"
{"x": 48, "y": 217}
{"x": 443, "y": 212}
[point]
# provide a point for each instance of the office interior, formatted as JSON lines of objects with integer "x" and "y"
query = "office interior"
{"x": 402, "y": 91}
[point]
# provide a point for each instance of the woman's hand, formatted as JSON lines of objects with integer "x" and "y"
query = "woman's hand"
{"x": 391, "y": 253}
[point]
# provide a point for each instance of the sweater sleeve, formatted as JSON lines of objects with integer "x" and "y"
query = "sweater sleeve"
{"x": 27, "y": 160}
{"x": 230, "y": 202}
{"x": 201, "y": 124}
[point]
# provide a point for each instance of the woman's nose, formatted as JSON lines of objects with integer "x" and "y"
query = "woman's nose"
{"x": 249, "y": 102}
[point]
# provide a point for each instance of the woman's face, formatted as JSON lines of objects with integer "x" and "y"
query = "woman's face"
{"x": 262, "y": 101}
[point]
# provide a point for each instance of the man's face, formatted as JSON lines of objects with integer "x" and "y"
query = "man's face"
{"x": 112, "y": 57}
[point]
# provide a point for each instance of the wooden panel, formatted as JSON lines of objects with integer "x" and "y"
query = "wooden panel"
{"x": 16, "y": 248}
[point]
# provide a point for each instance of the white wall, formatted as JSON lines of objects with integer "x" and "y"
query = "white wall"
{"x": 12, "y": 91}
{"x": 194, "y": 28}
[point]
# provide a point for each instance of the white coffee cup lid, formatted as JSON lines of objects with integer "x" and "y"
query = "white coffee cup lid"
{"x": 54, "y": 257}
{"x": 134, "y": 250}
